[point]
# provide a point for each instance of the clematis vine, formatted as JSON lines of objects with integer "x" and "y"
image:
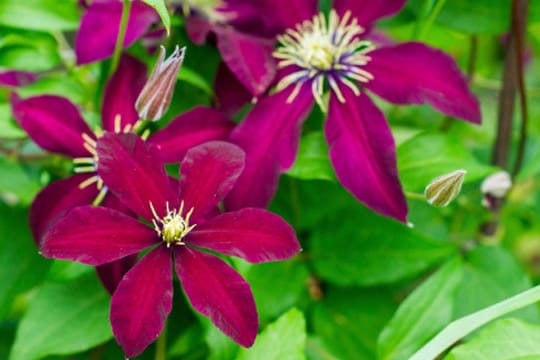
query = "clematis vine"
{"x": 56, "y": 125}
{"x": 183, "y": 226}
{"x": 317, "y": 54}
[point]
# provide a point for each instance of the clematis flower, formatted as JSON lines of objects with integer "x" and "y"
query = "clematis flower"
{"x": 56, "y": 125}
{"x": 316, "y": 54}
{"x": 182, "y": 228}
{"x": 15, "y": 78}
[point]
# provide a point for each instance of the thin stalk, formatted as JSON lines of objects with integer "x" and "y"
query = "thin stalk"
{"x": 473, "y": 54}
{"x": 161, "y": 345}
{"x": 519, "y": 15}
{"x": 460, "y": 328}
{"x": 121, "y": 35}
{"x": 415, "y": 196}
{"x": 422, "y": 27}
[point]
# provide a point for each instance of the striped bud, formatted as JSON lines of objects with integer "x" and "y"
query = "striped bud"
{"x": 442, "y": 190}
{"x": 155, "y": 97}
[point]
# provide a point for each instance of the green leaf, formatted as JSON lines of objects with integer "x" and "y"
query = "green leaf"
{"x": 422, "y": 314}
{"x": 502, "y": 340}
{"x": 277, "y": 286}
{"x": 357, "y": 315}
{"x": 56, "y": 84}
{"x": 427, "y": 156}
{"x": 354, "y": 246}
{"x": 21, "y": 266}
{"x": 64, "y": 319}
{"x": 193, "y": 78}
{"x": 44, "y": 15}
{"x": 8, "y": 128}
{"x": 27, "y": 50}
{"x": 312, "y": 161}
{"x": 282, "y": 340}
{"x": 491, "y": 275}
{"x": 16, "y": 183}
{"x": 161, "y": 8}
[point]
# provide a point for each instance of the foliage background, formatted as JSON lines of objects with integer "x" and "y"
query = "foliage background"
{"x": 365, "y": 287}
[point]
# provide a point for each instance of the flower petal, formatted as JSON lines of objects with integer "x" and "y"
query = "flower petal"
{"x": 112, "y": 273}
{"x": 230, "y": 94}
{"x": 269, "y": 135}
{"x": 96, "y": 37}
{"x": 132, "y": 170}
{"x": 368, "y": 12}
{"x": 142, "y": 301}
{"x": 208, "y": 173}
{"x": 216, "y": 290}
{"x": 286, "y": 14}
{"x": 363, "y": 153}
{"x": 55, "y": 200}
{"x": 96, "y": 235}
{"x": 248, "y": 57}
{"x": 15, "y": 78}
{"x": 198, "y": 29}
{"x": 255, "y": 235}
{"x": 413, "y": 73}
{"x": 120, "y": 94}
{"x": 190, "y": 129}
{"x": 53, "y": 122}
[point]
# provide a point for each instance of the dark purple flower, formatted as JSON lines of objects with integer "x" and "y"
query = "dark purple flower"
{"x": 97, "y": 34}
{"x": 316, "y": 54}
{"x": 182, "y": 227}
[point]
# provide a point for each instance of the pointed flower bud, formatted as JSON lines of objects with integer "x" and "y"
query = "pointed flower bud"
{"x": 155, "y": 97}
{"x": 443, "y": 189}
{"x": 497, "y": 184}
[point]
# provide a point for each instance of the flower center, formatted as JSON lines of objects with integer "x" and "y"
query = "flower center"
{"x": 89, "y": 164}
{"x": 321, "y": 49}
{"x": 173, "y": 227}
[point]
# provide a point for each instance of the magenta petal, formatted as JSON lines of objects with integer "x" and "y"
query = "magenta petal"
{"x": 112, "y": 273}
{"x": 190, "y": 129}
{"x": 269, "y": 135}
{"x": 368, "y": 11}
{"x": 216, "y": 290}
{"x": 208, "y": 173}
{"x": 248, "y": 57}
{"x": 55, "y": 200}
{"x": 132, "y": 170}
{"x": 413, "y": 73}
{"x": 53, "y": 122}
{"x": 143, "y": 300}
{"x": 198, "y": 29}
{"x": 14, "y": 78}
{"x": 363, "y": 153}
{"x": 255, "y": 235}
{"x": 121, "y": 92}
{"x": 95, "y": 235}
{"x": 96, "y": 37}
{"x": 230, "y": 94}
{"x": 284, "y": 14}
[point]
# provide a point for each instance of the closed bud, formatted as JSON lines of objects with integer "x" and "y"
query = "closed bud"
{"x": 496, "y": 185}
{"x": 155, "y": 97}
{"x": 442, "y": 190}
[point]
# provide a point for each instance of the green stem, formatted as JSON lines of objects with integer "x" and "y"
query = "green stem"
{"x": 429, "y": 14}
{"x": 460, "y": 328}
{"x": 161, "y": 345}
{"x": 121, "y": 35}
{"x": 415, "y": 196}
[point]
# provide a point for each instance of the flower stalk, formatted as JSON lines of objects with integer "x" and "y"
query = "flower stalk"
{"x": 121, "y": 35}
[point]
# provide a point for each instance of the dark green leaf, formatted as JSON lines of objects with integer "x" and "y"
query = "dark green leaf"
{"x": 63, "y": 319}
{"x": 355, "y": 246}
{"x": 423, "y": 313}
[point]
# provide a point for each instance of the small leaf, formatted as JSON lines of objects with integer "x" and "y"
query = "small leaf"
{"x": 43, "y": 15}
{"x": 161, "y": 9}
{"x": 501, "y": 340}
{"x": 64, "y": 319}
{"x": 312, "y": 161}
{"x": 282, "y": 340}
{"x": 423, "y": 313}
{"x": 356, "y": 247}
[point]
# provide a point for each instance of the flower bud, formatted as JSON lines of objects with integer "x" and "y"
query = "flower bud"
{"x": 496, "y": 185}
{"x": 155, "y": 97}
{"x": 443, "y": 189}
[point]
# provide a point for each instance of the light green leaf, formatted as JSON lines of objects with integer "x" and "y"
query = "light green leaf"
{"x": 63, "y": 319}
{"x": 354, "y": 246}
{"x": 161, "y": 9}
{"x": 423, "y": 313}
{"x": 427, "y": 156}
{"x": 43, "y": 15}
{"x": 21, "y": 266}
{"x": 277, "y": 286}
{"x": 56, "y": 84}
{"x": 16, "y": 183}
{"x": 312, "y": 161}
{"x": 357, "y": 315}
{"x": 282, "y": 340}
{"x": 502, "y": 340}
{"x": 8, "y": 128}
{"x": 28, "y": 50}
